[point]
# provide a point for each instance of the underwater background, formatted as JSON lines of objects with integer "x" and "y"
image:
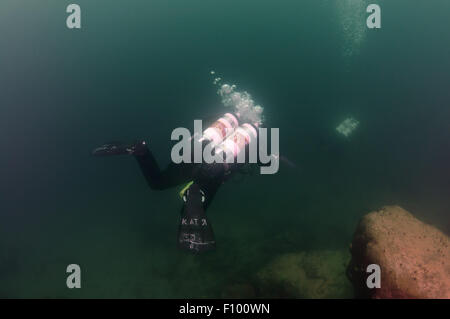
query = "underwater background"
{"x": 139, "y": 69}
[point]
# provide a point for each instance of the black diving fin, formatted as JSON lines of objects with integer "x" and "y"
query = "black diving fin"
{"x": 195, "y": 232}
{"x": 118, "y": 148}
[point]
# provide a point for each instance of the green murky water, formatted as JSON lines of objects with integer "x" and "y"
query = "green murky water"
{"x": 138, "y": 69}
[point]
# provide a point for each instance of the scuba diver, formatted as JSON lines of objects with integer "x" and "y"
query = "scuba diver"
{"x": 227, "y": 139}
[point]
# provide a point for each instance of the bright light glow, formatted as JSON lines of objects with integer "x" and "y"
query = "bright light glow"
{"x": 347, "y": 126}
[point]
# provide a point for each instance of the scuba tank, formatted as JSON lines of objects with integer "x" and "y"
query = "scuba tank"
{"x": 220, "y": 129}
{"x": 233, "y": 145}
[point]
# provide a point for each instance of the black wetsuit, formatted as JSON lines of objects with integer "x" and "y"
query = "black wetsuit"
{"x": 208, "y": 177}
{"x": 195, "y": 232}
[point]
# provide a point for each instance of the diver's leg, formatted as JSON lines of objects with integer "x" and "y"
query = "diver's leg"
{"x": 195, "y": 231}
{"x": 172, "y": 175}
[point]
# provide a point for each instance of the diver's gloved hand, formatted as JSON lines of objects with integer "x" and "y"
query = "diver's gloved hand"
{"x": 195, "y": 232}
{"x": 117, "y": 148}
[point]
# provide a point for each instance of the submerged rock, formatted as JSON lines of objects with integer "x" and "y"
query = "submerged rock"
{"x": 316, "y": 274}
{"x": 414, "y": 257}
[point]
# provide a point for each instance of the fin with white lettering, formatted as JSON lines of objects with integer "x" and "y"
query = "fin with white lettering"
{"x": 195, "y": 233}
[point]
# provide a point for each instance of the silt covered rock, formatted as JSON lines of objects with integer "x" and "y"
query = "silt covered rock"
{"x": 316, "y": 274}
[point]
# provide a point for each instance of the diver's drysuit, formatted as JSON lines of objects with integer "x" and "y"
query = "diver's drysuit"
{"x": 195, "y": 232}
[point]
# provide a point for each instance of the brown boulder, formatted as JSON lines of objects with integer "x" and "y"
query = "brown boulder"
{"x": 414, "y": 257}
